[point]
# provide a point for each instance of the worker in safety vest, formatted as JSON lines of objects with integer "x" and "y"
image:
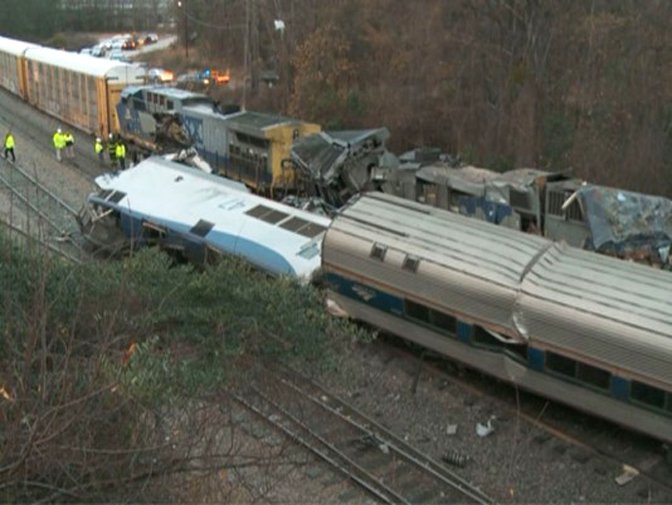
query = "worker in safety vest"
{"x": 121, "y": 155}
{"x": 98, "y": 148}
{"x": 9, "y": 145}
{"x": 112, "y": 149}
{"x": 69, "y": 144}
{"x": 59, "y": 144}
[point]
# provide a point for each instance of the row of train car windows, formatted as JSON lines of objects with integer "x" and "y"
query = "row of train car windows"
{"x": 575, "y": 370}
{"x": 595, "y": 377}
{"x": 159, "y": 100}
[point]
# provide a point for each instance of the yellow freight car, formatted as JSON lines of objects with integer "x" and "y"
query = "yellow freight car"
{"x": 80, "y": 89}
{"x": 12, "y": 68}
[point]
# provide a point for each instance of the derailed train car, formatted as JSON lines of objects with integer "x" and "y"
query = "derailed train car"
{"x": 79, "y": 89}
{"x": 200, "y": 217}
{"x": 580, "y": 328}
{"x": 246, "y": 146}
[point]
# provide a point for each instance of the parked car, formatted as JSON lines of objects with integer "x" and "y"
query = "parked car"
{"x": 159, "y": 75}
{"x": 129, "y": 44}
{"x": 98, "y": 50}
{"x": 151, "y": 38}
{"x": 117, "y": 54}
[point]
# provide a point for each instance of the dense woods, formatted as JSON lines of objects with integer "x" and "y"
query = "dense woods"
{"x": 504, "y": 83}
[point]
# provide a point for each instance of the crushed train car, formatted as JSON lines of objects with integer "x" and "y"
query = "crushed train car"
{"x": 335, "y": 165}
{"x": 552, "y": 204}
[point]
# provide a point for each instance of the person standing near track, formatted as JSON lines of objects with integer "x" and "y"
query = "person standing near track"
{"x": 121, "y": 155}
{"x": 59, "y": 144}
{"x": 69, "y": 144}
{"x": 112, "y": 149}
{"x": 98, "y": 148}
{"x": 9, "y": 145}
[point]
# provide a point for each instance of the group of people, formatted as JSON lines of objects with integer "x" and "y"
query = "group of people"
{"x": 116, "y": 150}
{"x": 64, "y": 142}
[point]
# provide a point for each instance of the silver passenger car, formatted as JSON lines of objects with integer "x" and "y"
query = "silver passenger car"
{"x": 584, "y": 329}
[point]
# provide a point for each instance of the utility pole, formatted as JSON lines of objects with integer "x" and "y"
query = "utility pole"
{"x": 183, "y": 5}
{"x": 246, "y": 50}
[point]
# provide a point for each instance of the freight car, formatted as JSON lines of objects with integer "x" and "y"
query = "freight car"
{"x": 79, "y": 89}
{"x": 247, "y": 146}
{"x": 199, "y": 217}
{"x": 580, "y": 328}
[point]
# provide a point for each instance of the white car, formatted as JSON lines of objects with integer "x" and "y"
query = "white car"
{"x": 117, "y": 54}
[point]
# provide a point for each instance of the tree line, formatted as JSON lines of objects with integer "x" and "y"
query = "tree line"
{"x": 578, "y": 85}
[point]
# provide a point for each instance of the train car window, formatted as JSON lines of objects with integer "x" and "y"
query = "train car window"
{"x": 560, "y": 364}
{"x": 411, "y": 263}
{"x": 416, "y": 311}
{"x": 303, "y": 227}
{"x": 170, "y": 105}
{"x": 485, "y": 338}
{"x": 649, "y": 395}
{"x": 669, "y": 402}
{"x": 162, "y": 100}
{"x": 267, "y": 214}
{"x": 202, "y": 228}
{"x": 443, "y": 321}
{"x": 593, "y": 376}
{"x": 378, "y": 252}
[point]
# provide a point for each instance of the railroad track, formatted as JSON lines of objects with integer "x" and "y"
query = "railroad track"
{"x": 381, "y": 463}
{"x": 37, "y": 214}
{"x": 589, "y": 435}
{"x": 38, "y": 128}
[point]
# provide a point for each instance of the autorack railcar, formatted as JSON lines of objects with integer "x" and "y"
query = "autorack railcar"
{"x": 12, "y": 66}
{"x": 200, "y": 217}
{"x": 79, "y": 89}
{"x": 584, "y": 329}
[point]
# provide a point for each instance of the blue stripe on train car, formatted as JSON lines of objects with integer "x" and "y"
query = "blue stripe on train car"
{"x": 370, "y": 296}
{"x": 620, "y": 388}
{"x": 535, "y": 359}
{"x": 464, "y": 332}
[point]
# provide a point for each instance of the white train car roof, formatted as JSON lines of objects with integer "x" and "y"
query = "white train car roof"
{"x": 277, "y": 238}
{"x": 471, "y": 265}
{"x": 87, "y": 64}
{"x": 15, "y": 47}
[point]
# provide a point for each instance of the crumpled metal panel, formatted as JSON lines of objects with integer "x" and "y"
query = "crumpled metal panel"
{"x": 628, "y": 224}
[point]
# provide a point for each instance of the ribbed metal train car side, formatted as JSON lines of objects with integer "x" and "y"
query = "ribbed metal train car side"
{"x": 455, "y": 298}
{"x": 12, "y": 65}
{"x": 81, "y": 90}
{"x": 616, "y": 313}
{"x": 458, "y": 271}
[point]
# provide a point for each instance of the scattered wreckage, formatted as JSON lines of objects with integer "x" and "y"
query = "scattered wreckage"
{"x": 334, "y": 166}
